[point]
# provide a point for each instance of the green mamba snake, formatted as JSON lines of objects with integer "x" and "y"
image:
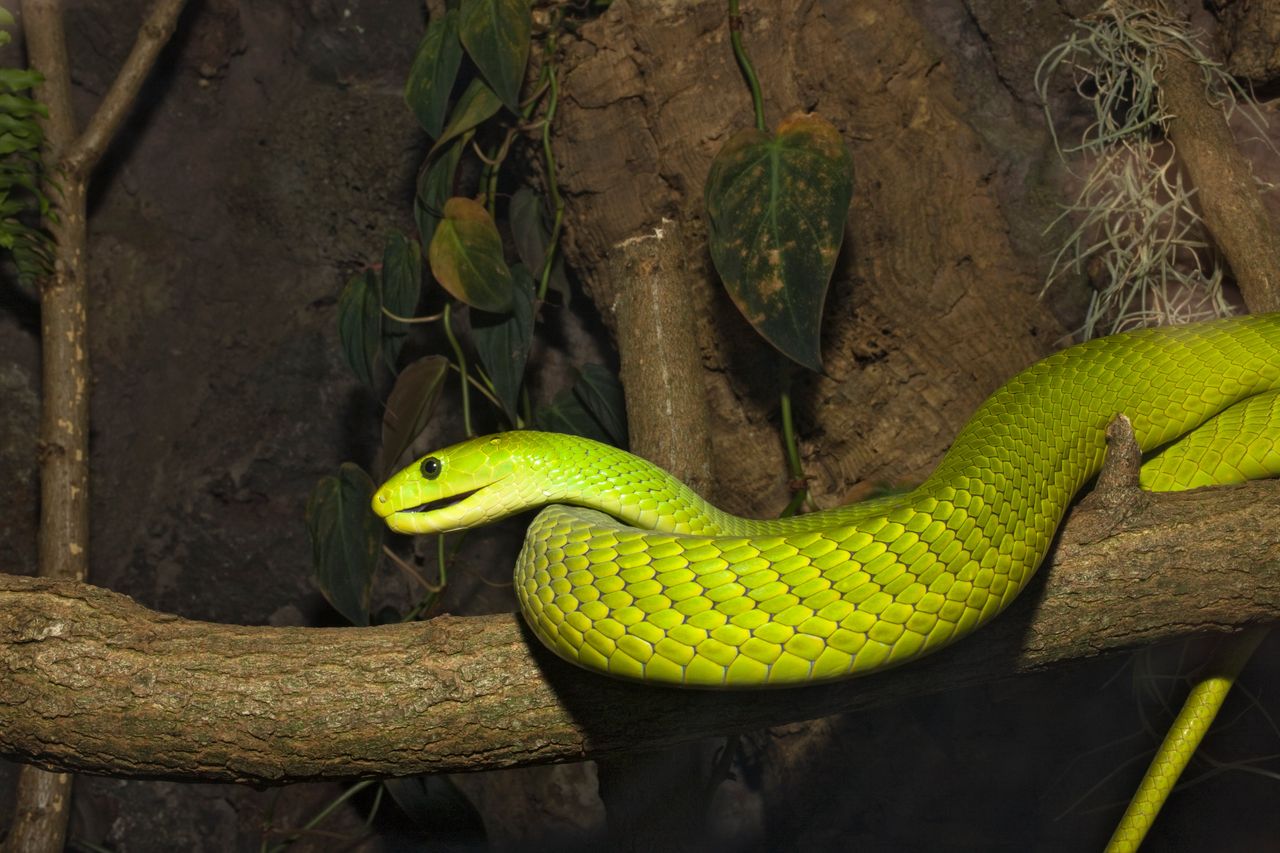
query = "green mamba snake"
{"x": 630, "y": 573}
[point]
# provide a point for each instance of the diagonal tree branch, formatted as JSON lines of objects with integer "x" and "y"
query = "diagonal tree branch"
{"x": 97, "y": 683}
{"x": 157, "y": 28}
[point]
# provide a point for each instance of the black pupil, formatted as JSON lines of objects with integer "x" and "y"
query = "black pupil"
{"x": 431, "y": 467}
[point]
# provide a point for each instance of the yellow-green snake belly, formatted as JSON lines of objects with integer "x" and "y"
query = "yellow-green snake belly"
{"x": 631, "y": 574}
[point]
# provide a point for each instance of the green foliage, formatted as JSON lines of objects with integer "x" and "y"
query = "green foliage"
{"x": 777, "y": 206}
{"x": 477, "y": 105}
{"x": 360, "y": 323}
{"x": 435, "y": 68}
{"x": 435, "y": 803}
{"x": 346, "y": 539}
{"x": 531, "y": 233}
{"x": 410, "y": 405}
{"x": 769, "y": 183}
{"x": 435, "y": 186}
{"x": 503, "y": 341}
{"x": 593, "y": 408}
{"x": 467, "y": 259}
{"x": 22, "y": 201}
{"x": 471, "y": 61}
{"x": 401, "y": 290}
{"x": 496, "y": 36}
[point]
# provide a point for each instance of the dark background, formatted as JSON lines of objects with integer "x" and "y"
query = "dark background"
{"x": 269, "y": 158}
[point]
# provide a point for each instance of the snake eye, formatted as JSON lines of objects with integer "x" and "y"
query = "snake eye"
{"x": 430, "y": 467}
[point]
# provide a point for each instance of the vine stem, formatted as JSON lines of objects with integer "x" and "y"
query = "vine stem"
{"x": 430, "y": 318}
{"x": 324, "y": 813}
{"x": 557, "y": 203}
{"x": 793, "y": 456}
{"x": 461, "y": 356}
{"x": 744, "y": 62}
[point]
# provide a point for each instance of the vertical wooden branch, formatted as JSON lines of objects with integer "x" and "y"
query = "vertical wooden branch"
{"x": 1226, "y": 191}
{"x": 669, "y": 423}
{"x": 40, "y": 813}
{"x": 658, "y": 350}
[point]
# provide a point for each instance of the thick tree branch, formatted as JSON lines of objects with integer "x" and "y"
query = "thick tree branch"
{"x": 96, "y": 683}
{"x": 658, "y": 350}
{"x": 1226, "y": 190}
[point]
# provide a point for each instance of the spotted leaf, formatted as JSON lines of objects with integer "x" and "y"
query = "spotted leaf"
{"x": 777, "y": 206}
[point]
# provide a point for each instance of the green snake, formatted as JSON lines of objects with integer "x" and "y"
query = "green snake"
{"x": 628, "y": 572}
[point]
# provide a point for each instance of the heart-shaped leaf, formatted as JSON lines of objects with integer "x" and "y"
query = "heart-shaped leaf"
{"x": 360, "y": 323}
{"x": 477, "y": 104}
{"x": 503, "y": 341}
{"x": 401, "y": 287}
{"x": 346, "y": 540}
{"x": 592, "y": 408}
{"x": 566, "y": 414}
{"x": 601, "y": 393}
{"x": 435, "y": 185}
{"x": 435, "y": 67}
{"x": 496, "y": 36}
{"x": 466, "y": 257}
{"x": 410, "y": 405}
{"x": 531, "y": 234}
{"x": 777, "y": 207}
{"x": 435, "y": 804}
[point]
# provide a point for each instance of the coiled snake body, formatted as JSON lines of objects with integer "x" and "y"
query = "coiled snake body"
{"x": 632, "y": 574}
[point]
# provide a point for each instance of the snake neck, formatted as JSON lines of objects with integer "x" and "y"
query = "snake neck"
{"x": 587, "y": 473}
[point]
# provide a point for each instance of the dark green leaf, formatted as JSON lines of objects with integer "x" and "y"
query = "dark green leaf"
{"x": 566, "y": 414}
{"x": 531, "y": 233}
{"x": 466, "y": 257}
{"x": 593, "y": 408}
{"x": 435, "y": 804}
{"x": 360, "y": 323}
{"x": 777, "y": 207}
{"x": 18, "y": 79}
{"x": 477, "y": 104}
{"x": 600, "y": 393}
{"x": 410, "y": 405}
{"x": 496, "y": 36}
{"x": 401, "y": 287}
{"x": 435, "y": 67}
{"x": 346, "y": 540}
{"x": 20, "y": 107}
{"x": 435, "y": 185}
{"x": 503, "y": 340}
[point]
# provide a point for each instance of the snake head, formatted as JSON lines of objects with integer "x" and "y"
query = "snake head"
{"x": 468, "y": 484}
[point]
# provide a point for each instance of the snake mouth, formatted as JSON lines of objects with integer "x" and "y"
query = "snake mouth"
{"x": 440, "y": 503}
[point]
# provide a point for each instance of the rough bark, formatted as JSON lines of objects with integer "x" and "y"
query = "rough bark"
{"x": 648, "y": 284}
{"x": 930, "y": 306}
{"x": 1226, "y": 191}
{"x": 97, "y": 683}
{"x": 1250, "y": 38}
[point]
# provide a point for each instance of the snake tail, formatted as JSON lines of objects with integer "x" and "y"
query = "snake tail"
{"x": 1182, "y": 740}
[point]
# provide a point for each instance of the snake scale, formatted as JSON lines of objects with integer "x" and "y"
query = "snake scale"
{"x": 628, "y": 572}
